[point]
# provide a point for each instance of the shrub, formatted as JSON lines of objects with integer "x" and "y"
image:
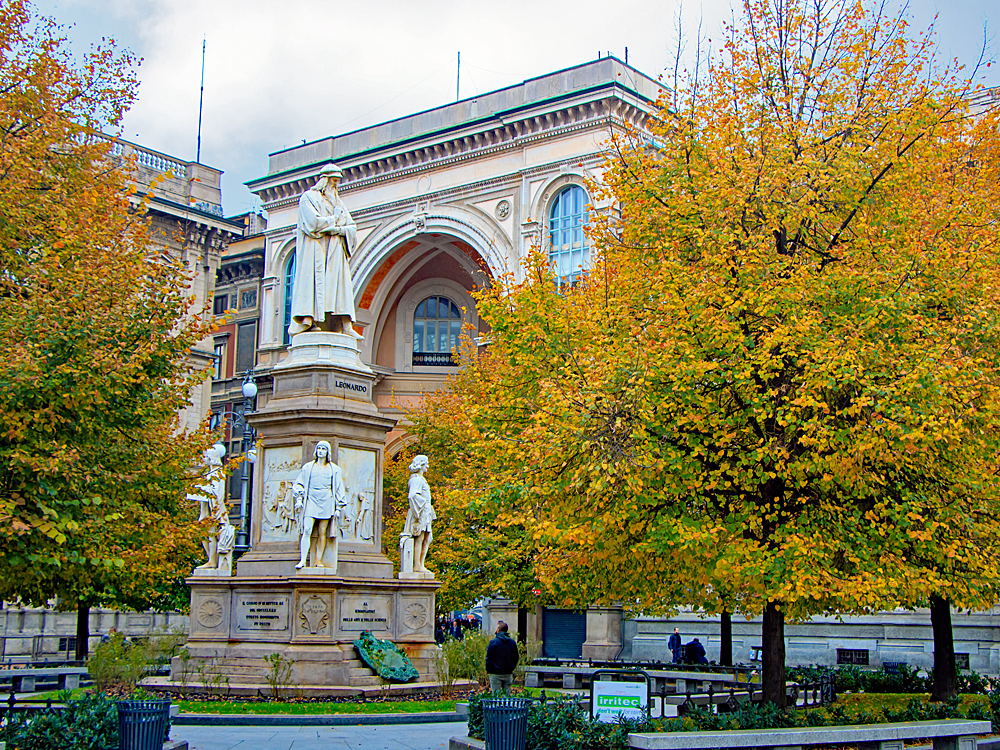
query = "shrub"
{"x": 852, "y": 678}
{"x": 854, "y": 709}
{"x": 442, "y": 668}
{"x": 467, "y": 657}
{"x": 279, "y": 674}
{"x": 118, "y": 664}
{"x": 87, "y": 723}
{"x": 560, "y": 724}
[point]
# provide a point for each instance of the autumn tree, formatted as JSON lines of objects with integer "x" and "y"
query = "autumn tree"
{"x": 94, "y": 333}
{"x": 775, "y": 392}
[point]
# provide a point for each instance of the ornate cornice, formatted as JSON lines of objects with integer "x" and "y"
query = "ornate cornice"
{"x": 611, "y": 111}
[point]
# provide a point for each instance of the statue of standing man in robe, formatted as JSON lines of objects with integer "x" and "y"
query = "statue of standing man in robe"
{"x": 417, "y": 528}
{"x": 321, "y": 497}
{"x": 322, "y": 292}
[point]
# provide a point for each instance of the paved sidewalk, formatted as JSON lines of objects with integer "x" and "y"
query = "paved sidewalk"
{"x": 381, "y": 737}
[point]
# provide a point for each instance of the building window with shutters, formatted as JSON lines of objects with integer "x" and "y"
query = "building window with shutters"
{"x": 437, "y": 323}
{"x": 289, "y": 284}
{"x": 568, "y": 249}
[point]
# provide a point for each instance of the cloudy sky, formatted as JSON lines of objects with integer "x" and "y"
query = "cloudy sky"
{"x": 280, "y": 72}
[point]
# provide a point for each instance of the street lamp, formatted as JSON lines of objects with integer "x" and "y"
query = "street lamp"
{"x": 249, "y": 456}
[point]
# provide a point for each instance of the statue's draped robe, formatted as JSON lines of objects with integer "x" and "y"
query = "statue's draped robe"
{"x": 421, "y": 512}
{"x": 322, "y": 284}
{"x": 324, "y": 490}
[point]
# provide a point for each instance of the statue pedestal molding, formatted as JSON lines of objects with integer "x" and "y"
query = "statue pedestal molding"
{"x": 313, "y": 615}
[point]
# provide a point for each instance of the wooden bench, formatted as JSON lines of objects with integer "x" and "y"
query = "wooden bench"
{"x": 23, "y": 680}
{"x": 947, "y": 734}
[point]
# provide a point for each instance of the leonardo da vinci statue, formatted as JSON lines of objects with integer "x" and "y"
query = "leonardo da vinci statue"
{"x": 322, "y": 292}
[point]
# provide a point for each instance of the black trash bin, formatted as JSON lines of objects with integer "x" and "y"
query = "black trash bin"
{"x": 142, "y": 725}
{"x": 505, "y": 721}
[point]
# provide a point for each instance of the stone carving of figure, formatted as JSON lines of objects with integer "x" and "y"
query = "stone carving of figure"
{"x": 285, "y": 508}
{"x": 365, "y": 525}
{"x": 420, "y": 515}
{"x": 321, "y": 497}
{"x": 322, "y": 292}
{"x": 212, "y": 504}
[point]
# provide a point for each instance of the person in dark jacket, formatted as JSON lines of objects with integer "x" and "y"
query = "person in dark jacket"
{"x": 696, "y": 653}
{"x": 674, "y": 644}
{"x": 501, "y": 659}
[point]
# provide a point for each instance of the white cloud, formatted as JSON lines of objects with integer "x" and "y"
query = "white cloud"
{"x": 280, "y": 72}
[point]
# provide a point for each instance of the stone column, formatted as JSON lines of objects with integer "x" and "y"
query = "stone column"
{"x": 500, "y": 609}
{"x": 604, "y": 633}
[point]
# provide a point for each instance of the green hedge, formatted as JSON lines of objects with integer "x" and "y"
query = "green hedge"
{"x": 904, "y": 680}
{"x": 841, "y": 713}
{"x": 559, "y": 724}
{"x": 86, "y": 723}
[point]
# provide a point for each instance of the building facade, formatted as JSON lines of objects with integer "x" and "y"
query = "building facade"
{"x": 446, "y": 201}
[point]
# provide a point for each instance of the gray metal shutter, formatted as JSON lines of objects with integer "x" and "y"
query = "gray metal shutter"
{"x": 563, "y": 633}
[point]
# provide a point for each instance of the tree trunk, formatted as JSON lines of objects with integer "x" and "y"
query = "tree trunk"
{"x": 945, "y": 677}
{"x": 82, "y": 631}
{"x": 726, "y": 634}
{"x": 772, "y": 641}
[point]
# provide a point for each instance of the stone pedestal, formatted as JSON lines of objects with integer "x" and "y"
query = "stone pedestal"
{"x": 498, "y": 609}
{"x": 604, "y": 633}
{"x": 312, "y": 616}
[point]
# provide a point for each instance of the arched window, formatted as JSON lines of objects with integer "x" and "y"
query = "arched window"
{"x": 437, "y": 322}
{"x": 289, "y": 283}
{"x": 568, "y": 248}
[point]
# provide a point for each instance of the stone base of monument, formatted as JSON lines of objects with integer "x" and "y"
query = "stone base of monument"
{"x": 317, "y": 571}
{"x": 323, "y": 348}
{"x": 211, "y": 573}
{"x": 311, "y": 619}
{"x": 322, "y": 392}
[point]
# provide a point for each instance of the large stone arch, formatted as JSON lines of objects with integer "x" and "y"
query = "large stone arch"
{"x": 488, "y": 240}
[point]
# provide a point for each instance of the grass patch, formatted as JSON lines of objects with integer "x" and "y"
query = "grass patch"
{"x": 876, "y": 703}
{"x": 56, "y": 695}
{"x": 314, "y": 708}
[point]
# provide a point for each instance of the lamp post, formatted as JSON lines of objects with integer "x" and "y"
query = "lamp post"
{"x": 249, "y": 456}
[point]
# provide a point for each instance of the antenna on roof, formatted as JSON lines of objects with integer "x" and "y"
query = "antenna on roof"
{"x": 201, "y": 99}
{"x": 458, "y": 73}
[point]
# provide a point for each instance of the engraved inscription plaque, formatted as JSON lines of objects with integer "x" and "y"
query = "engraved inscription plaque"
{"x": 261, "y": 612}
{"x": 360, "y": 612}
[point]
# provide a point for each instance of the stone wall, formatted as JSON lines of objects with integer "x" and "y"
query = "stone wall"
{"x": 40, "y": 634}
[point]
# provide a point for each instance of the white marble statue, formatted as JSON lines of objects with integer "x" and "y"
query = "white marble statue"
{"x": 321, "y": 497}
{"x": 364, "y": 526}
{"x": 322, "y": 292}
{"x": 418, "y": 520}
{"x": 211, "y": 500}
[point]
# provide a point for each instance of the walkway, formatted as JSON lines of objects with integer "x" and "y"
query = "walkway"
{"x": 380, "y": 737}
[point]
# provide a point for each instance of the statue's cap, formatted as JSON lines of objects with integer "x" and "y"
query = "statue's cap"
{"x": 331, "y": 170}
